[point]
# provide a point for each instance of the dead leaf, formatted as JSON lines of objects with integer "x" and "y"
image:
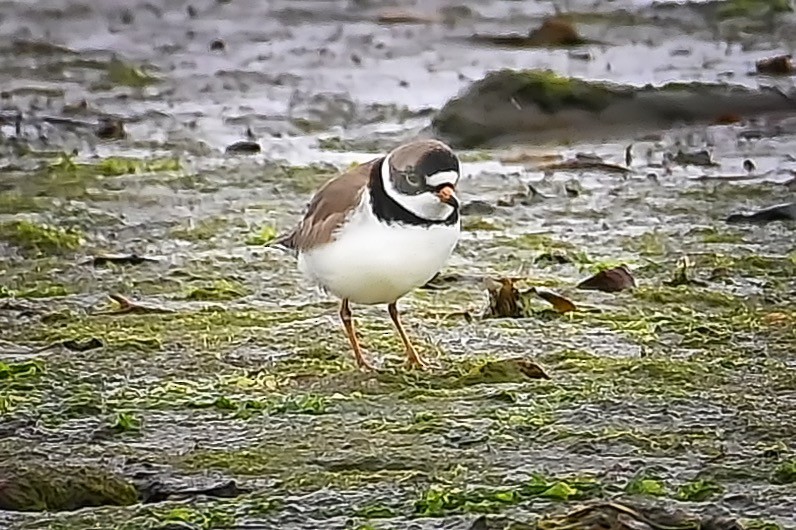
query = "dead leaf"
{"x": 82, "y": 345}
{"x": 530, "y": 158}
{"x": 559, "y": 303}
{"x": 619, "y": 516}
{"x": 585, "y": 164}
{"x": 727, "y": 119}
{"x": 127, "y": 306}
{"x": 777, "y": 319}
{"x": 554, "y": 31}
{"x": 779, "y": 65}
{"x": 406, "y": 16}
{"x": 504, "y": 299}
{"x": 609, "y": 280}
{"x": 530, "y": 368}
{"x": 557, "y": 31}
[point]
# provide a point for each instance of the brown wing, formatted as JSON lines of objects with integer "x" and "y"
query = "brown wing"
{"x": 329, "y": 208}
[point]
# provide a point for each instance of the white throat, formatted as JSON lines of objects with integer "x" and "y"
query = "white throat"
{"x": 425, "y": 205}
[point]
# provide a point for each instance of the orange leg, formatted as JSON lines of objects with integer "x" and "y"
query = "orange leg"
{"x": 412, "y": 358}
{"x": 348, "y": 323}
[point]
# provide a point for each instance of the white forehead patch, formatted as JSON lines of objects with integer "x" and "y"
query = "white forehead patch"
{"x": 443, "y": 177}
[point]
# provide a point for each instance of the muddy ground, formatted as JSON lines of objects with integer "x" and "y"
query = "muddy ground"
{"x": 680, "y": 393}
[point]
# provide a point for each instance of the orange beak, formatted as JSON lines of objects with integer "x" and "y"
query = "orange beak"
{"x": 446, "y": 194}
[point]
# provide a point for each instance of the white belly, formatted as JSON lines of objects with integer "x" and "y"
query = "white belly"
{"x": 373, "y": 263}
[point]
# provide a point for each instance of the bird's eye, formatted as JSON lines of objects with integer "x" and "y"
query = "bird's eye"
{"x": 413, "y": 180}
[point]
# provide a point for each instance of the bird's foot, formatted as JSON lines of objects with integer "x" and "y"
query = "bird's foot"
{"x": 364, "y": 365}
{"x": 413, "y": 360}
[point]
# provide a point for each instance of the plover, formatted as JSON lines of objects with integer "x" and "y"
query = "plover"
{"x": 380, "y": 230}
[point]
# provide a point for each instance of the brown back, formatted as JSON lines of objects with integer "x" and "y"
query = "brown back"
{"x": 328, "y": 208}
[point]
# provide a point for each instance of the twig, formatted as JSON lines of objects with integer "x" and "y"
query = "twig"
{"x": 127, "y": 306}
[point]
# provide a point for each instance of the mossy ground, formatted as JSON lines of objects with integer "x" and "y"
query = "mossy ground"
{"x": 688, "y": 386}
{"x": 680, "y": 392}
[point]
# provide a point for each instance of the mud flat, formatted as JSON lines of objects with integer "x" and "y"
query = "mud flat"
{"x": 161, "y": 368}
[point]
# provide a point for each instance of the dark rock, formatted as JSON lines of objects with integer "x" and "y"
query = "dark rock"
{"x": 244, "y": 147}
{"x": 553, "y": 257}
{"x": 697, "y": 158}
{"x": 609, "y": 280}
{"x": 780, "y": 212}
{"x": 110, "y": 129}
{"x": 217, "y": 45}
{"x": 477, "y": 208}
{"x": 127, "y": 17}
{"x": 534, "y": 105}
{"x": 479, "y": 524}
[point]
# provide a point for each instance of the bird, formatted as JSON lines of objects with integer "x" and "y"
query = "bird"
{"x": 379, "y": 230}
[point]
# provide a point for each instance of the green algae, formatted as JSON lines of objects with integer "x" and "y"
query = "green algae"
{"x": 61, "y": 177}
{"x": 643, "y": 484}
{"x": 121, "y": 73}
{"x": 15, "y": 202}
{"x": 37, "y": 290}
{"x": 207, "y": 327}
{"x": 126, "y": 422}
{"x": 113, "y": 166}
{"x": 263, "y": 236}
{"x": 543, "y": 89}
{"x": 274, "y": 404}
{"x": 203, "y": 230}
{"x": 218, "y": 290}
{"x": 714, "y": 236}
{"x": 689, "y": 296}
{"x": 33, "y": 487}
{"x": 306, "y": 179}
{"x": 535, "y": 241}
{"x": 474, "y": 224}
{"x": 752, "y": 8}
{"x": 235, "y": 390}
{"x": 652, "y": 243}
{"x": 501, "y": 371}
{"x": 440, "y": 500}
{"x": 476, "y": 156}
{"x": 194, "y": 515}
{"x": 699, "y": 490}
{"x": 286, "y": 374}
{"x": 21, "y": 370}
{"x": 40, "y": 239}
{"x": 551, "y": 91}
{"x": 785, "y": 472}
